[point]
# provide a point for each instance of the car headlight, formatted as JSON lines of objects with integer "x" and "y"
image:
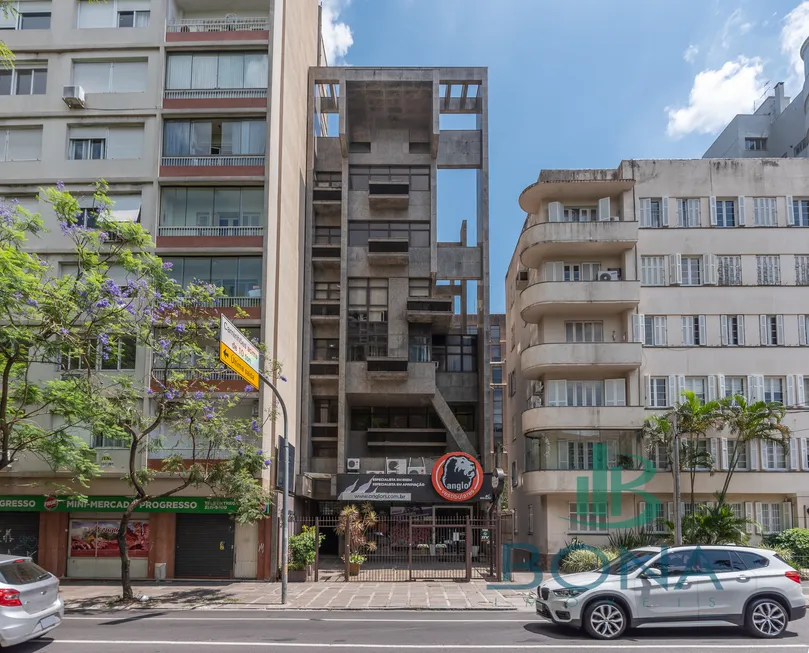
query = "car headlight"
{"x": 569, "y": 592}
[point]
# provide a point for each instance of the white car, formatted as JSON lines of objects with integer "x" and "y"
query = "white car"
{"x": 745, "y": 586}
{"x": 30, "y": 605}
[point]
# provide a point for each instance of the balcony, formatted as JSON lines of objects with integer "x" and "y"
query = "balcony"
{"x": 326, "y": 256}
{"x": 574, "y": 298}
{"x": 388, "y": 251}
{"x": 388, "y": 194}
{"x": 221, "y": 379}
{"x": 394, "y": 376}
{"x": 209, "y": 237}
{"x": 225, "y": 98}
{"x": 555, "y": 240}
{"x": 573, "y": 186}
{"x": 195, "y": 30}
{"x": 324, "y": 432}
{"x": 413, "y": 438}
{"x": 212, "y": 166}
{"x": 388, "y": 369}
{"x": 325, "y": 310}
{"x": 324, "y": 369}
{"x": 546, "y": 418}
{"x": 430, "y": 310}
{"x": 327, "y": 200}
{"x": 602, "y": 358}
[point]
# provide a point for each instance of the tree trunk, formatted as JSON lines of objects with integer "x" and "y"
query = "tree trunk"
{"x": 126, "y": 579}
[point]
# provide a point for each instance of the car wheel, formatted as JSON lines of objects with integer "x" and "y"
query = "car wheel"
{"x": 766, "y": 618}
{"x": 605, "y": 619}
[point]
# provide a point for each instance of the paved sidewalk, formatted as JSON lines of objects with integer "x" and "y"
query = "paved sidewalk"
{"x": 424, "y": 595}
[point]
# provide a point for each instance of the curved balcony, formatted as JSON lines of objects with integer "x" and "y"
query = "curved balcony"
{"x": 572, "y": 357}
{"x": 573, "y": 186}
{"x": 555, "y": 240}
{"x": 572, "y": 298}
{"x": 546, "y": 418}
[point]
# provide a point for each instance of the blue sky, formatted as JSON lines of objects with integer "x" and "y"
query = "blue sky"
{"x": 579, "y": 83}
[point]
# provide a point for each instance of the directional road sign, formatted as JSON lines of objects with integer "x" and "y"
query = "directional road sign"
{"x": 237, "y": 352}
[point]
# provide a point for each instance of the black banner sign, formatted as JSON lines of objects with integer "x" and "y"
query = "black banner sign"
{"x": 398, "y": 488}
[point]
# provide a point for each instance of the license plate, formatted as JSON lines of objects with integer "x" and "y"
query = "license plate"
{"x": 48, "y": 622}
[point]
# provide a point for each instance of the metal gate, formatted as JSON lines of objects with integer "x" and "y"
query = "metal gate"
{"x": 204, "y": 546}
{"x": 19, "y": 534}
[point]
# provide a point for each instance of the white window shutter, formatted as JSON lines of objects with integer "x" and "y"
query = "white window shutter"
{"x": 554, "y": 271}
{"x": 740, "y": 204}
{"x": 723, "y": 328}
{"x": 790, "y": 390}
{"x": 648, "y": 381}
{"x": 779, "y": 328}
{"x": 800, "y": 392}
{"x": 786, "y": 515}
{"x": 604, "y": 208}
{"x": 682, "y": 218}
{"x": 724, "y": 463}
{"x": 713, "y": 211}
{"x": 759, "y": 516}
{"x": 763, "y": 329}
{"x": 675, "y": 269}
{"x": 644, "y": 519}
{"x": 555, "y": 212}
{"x": 612, "y": 453}
{"x": 680, "y": 388}
{"x": 672, "y": 390}
{"x": 720, "y": 385}
{"x": 703, "y": 331}
{"x": 709, "y": 268}
{"x": 694, "y": 217}
{"x": 790, "y": 211}
{"x": 564, "y": 458}
{"x": 638, "y": 327}
{"x": 754, "y": 451}
{"x": 749, "y": 515}
{"x": 794, "y": 454}
{"x": 670, "y": 511}
{"x": 645, "y": 210}
{"x": 711, "y": 387}
{"x": 615, "y": 392}
{"x": 751, "y": 388}
{"x": 759, "y": 379}
{"x": 664, "y": 211}
{"x": 802, "y": 330}
{"x": 125, "y": 143}
{"x": 803, "y": 449}
{"x": 715, "y": 451}
{"x": 661, "y": 331}
{"x": 740, "y": 322}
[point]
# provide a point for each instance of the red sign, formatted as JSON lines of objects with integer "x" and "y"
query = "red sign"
{"x": 457, "y": 476}
{"x": 51, "y": 503}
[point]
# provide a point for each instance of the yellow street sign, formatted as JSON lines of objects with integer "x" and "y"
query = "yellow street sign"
{"x": 235, "y": 363}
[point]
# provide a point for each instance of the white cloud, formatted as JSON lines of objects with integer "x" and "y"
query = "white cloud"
{"x": 337, "y": 36}
{"x": 793, "y": 34}
{"x": 717, "y": 96}
{"x": 744, "y": 28}
{"x": 691, "y": 53}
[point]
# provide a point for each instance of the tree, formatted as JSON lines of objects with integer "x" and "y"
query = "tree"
{"x": 353, "y": 524}
{"x": 759, "y": 421}
{"x": 52, "y": 322}
{"x": 715, "y": 524}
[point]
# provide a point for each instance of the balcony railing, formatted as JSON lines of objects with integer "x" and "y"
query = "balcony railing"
{"x": 189, "y": 374}
{"x": 210, "y": 231}
{"x": 213, "y": 161}
{"x": 218, "y": 24}
{"x": 214, "y": 93}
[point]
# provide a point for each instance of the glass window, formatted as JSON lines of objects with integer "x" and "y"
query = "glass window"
{"x": 800, "y": 213}
{"x": 35, "y": 19}
{"x": 768, "y": 270}
{"x": 691, "y": 268}
{"x": 213, "y": 137}
{"x": 675, "y": 563}
{"x": 497, "y": 374}
{"x": 725, "y": 213}
{"x": 695, "y": 384}
{"x": 775, "y": 456}
{"x": 658, "y": 392}
{"x": 753, "y": 560}
{"x": 23, "y": 573}
{"x": 586, "y": 517}
{"x": 718, "y": 561}
{"x": 774, "y": 389}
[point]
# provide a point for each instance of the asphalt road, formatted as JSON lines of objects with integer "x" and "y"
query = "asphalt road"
{"x": 228, "y": 631}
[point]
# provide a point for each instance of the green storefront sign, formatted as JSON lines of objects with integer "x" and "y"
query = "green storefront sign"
{"x": 197, "y": 505}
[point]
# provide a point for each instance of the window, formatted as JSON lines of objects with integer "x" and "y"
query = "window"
{"x": 764, "y": 212}
{"x": 384, "y": 417}
{"x": 455, "y": 353}
{"x": 512, "y": 384}
{"x": 718, "y": 561}
{"x": 584, "y": 332}
{"x": 24, "y": 79}
{"x": 735, "y": 385}
{"x": 327, "y": 235}
{"x": 654, "y": 517}
{"x": 732, "y": 330}
{"x": 658, "y": 392}
{"x": 326, "y": 349}
{"x": 800, "y": 213}
{"x": 691, "y": 267}
{"x": 729, "y": 269}
{"x": 421, "y": 288}
{"x": 111, "y": 76}
{"x": 496, "y": 355}
{"x": 494, "y": 333}
{"x": 216, "y": 71}
{"x": 774, "y": 389}
{"x": 655, "y": 331}
{"x": 578, "y": 214}
{"x": 368, "y": 300}
{"x": 696, "y": 384}
{"x": 465, "y": 414}
{"x": 212, "y": 207}
{"x": 770, "y": 517}
{"x": 27, "y": 15}
{"x": 530, "y": 520}
{"x": 417, "y": 176}
{"x": 676, "y": 563}
{"x": 238, "y": 276}
{"x": 416, "y": 233}
{"x": 113, "y": 13}
{"x": 768, "y": 270}
{"x": 725, "y": 213}
{"x": 512, "y": 337}
{"x": 802, "y": 270}
{"x": 653, "y": 270}
{"x": 581, "y": 271}
{"x": 214, "y": 137}
{"x": 23, "y": 572}
{"x": 326, "y": 411}
{"x": 497, "y": 374}
{"x": 693, "y": 327}
{"x": 754, "y": 144}
{"x": 588, "y": 518}
{"x": 585, "y": 393}
{"x": 753, "y": 560}
{"x": 89, "y": 143}
{"x": 688, "y": 213}
{"x": 651, "y": 213}
{"x": 126, "y": 208}
{"x": 772, "y": 330}
{"x": 118, "y": 356}
{"x": 326, "y": 290}
{"x": 740, "y": 453}
{"x": 325, "y": 179}
{"x": 22, "y": 144}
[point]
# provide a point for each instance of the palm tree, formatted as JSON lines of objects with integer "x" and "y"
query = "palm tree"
{"x": 759, "y": 421}
{"x": 714, "y": 525}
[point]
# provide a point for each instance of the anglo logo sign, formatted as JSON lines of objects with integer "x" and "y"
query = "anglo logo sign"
{"x": 457, "y": 477}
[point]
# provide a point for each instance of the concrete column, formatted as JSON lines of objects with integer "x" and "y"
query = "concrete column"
{"x": 398, "y": 290}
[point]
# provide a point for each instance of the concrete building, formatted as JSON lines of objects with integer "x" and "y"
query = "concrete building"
{"x": 777, "y": 128}
{"x": 392, "y": 385}
{"x": 628, "y": 286}
{"x": 195, "y": 112}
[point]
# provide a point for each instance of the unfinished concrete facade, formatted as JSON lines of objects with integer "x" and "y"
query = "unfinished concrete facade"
{"x": 391, "y": 385}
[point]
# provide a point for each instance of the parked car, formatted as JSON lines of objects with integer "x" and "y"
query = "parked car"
{"x": 30, "y": 605}
{"x": 745, "y": 586}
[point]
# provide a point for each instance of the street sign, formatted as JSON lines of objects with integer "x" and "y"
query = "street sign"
{"x": 237, "y": 352}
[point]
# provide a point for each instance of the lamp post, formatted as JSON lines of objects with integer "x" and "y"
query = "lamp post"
{"x": 678, "y": 525}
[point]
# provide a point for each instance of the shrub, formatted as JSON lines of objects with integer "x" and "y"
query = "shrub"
{"x": 302, "y": 548}
{"x": 632, "y": 539}
{"x": 585, "y": 559}
{"x": 787, "y": 554}
{"x": 794, "y": 539}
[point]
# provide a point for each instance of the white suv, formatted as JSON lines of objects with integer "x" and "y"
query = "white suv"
{"x": 745, "y": 586}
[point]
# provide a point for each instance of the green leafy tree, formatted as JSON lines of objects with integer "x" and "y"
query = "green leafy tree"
{"x": 716, "y": 524}
{"x": 759, "y": 421}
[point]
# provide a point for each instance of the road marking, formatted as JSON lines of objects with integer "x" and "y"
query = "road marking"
{"x": 476, "y": 647}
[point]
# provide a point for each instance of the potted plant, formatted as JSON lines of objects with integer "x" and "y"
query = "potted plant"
{"x": 302, "y": 548}
{"x": 353, "y": 525}
{"x": 625, "y": 461}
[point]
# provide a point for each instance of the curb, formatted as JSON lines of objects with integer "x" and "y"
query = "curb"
{"x": 271, "y": 608}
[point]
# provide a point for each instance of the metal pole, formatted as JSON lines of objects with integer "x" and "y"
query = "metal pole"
{"x": 317, "y": 547}
{"x": 678, "y": 526}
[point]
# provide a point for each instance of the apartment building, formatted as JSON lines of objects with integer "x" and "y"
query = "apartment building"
{"x": 629, "y": 286}
{"x": 392, "y": 385}
{"x": 195, "y": 112}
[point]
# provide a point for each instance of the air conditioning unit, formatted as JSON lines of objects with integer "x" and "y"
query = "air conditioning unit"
{"x": 605, "y": 276}
{"x": 396, "y": 465}
{"x": 254, "y": 411}
{"x": 615, "y": 274}
{"x": 610, "y": 218}
{"x": 416, "y": 469}
{"x": 73, "y": 97}
{"x": 353, "y": 465}
{"x": 536, "y": 388}
{"x": 535, "y": 402}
